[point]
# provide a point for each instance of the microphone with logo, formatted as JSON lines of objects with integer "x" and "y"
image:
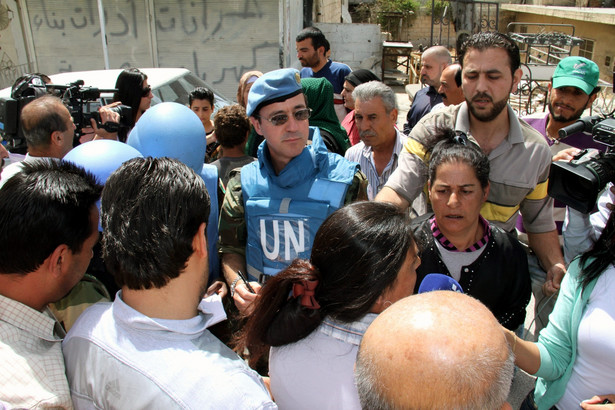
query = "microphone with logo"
{"x": 439, "y": 281}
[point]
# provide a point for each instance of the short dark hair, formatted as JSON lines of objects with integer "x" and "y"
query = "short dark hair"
{"x": 40, "y": 118}
{"x": 317, "y": 36}
{"x": 47, "y": 204}
{"x": 445, "y": 147}
{"x": 232, "y": 125}
{"x": 356, "y": 256}
{"x": 151, "y": 210}
{"x": 201, "y": 93}
{"x": 490, "y": 39}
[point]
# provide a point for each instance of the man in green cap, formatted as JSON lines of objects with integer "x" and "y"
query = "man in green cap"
{"x": 572, "y": 90}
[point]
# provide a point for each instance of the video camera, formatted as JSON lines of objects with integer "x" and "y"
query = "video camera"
{"x": 578, "y": 183}
{"x": 82, "y": 102}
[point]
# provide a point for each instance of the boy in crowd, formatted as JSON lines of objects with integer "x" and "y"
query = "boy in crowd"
{"x": 201, "y": 101}
{"x": 232, "y": 129}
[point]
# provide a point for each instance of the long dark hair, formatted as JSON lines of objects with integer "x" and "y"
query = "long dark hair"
{"x": 129, "y": 86}
{"x": 603, "y": 253}
{"x": 357, "y": 254}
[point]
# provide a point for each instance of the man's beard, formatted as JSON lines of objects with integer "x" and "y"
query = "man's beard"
{"x": 497, "y": 108}
{"x": 426, "y": 81}
{"x": 310, "y": 62}
{"x": 561, "y": 118}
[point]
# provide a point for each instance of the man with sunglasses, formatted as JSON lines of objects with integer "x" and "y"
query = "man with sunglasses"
{"x": 273, "y": 208}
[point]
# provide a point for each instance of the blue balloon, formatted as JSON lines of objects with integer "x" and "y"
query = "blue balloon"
{"x": 171, "y": 130}
{"x": 101, "y": 157}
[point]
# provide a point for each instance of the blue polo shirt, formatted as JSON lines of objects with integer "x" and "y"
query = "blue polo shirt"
{"x": 332, "y": 71}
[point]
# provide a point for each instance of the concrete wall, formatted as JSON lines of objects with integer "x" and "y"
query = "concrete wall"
{"x": 329, "y": 11}
{"x": 417, "y": 30}
{"x": 358, "y": 45}
{"x": 216, "y": 39}
{"x": 592, "y": 30}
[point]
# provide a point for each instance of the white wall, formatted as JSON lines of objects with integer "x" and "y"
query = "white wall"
{"x": 216, "y": 39}
{"x": 358, "y": 45}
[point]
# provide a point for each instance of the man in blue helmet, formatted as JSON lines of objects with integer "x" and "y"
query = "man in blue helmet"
{"x": 273, "y": 208}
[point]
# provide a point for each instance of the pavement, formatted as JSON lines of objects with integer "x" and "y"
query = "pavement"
{"x": 522, "y": 382}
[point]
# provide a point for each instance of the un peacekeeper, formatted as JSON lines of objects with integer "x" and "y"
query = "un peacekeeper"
{"x": 273, "y": 207}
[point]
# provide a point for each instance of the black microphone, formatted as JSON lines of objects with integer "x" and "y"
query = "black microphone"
{"x": 584, "y": 124}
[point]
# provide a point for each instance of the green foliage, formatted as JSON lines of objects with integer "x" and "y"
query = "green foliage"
{"x": 438, "y": 9}
{"x": 397, "y": 6}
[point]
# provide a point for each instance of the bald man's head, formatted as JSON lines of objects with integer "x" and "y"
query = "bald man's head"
{"x": 433, "y": 351}
{"x": 433, "y": 61}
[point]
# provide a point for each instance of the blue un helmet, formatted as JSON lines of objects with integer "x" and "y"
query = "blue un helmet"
{"x": 171, "y": 130}
{"x": 101, "y": 158}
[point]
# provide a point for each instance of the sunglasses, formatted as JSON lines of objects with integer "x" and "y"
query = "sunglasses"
{"x": 145, "y": 92}
{"x": 281, "y": 119}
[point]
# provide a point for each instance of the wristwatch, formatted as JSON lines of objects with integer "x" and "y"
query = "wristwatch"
{"x": 233, "y": 285}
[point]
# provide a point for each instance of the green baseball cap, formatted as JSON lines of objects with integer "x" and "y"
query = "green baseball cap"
{"x": 576, "y": 72}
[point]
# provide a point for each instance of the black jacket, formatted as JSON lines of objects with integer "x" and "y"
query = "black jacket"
{"x": 499, "y": 277}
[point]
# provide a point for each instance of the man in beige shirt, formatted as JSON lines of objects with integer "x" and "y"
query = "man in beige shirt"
{"x": 48, "y": 227}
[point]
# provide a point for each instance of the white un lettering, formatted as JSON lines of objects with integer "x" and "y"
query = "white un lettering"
{"x": 297, "y": 239}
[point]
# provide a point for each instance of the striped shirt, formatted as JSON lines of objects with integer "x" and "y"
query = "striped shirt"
{"x": 364, "y": 156}
{"x": 518, "y": 177}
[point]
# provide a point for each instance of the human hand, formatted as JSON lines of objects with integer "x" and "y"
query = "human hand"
{"x": 244, "y": 299}
{"x": 106, "y": 115}
{"x": 554, "y": 279}
{"x": 219, "y": 287}
{"x": 566, "y": 154}
{"x": 596, "y": 402}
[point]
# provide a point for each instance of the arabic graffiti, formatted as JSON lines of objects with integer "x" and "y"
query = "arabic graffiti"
{"x": 217, "y": 40}
{"x": 83, "y": 16}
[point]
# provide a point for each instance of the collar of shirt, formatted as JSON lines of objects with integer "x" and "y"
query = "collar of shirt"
{"x": 347, "y": 332}
{"x": 167, "y": 329}
{"x": 327, "y": 65}
{"x": 515, "y": 136}
{"x": 40, "y": 324}
{"x": 432, "y": 91}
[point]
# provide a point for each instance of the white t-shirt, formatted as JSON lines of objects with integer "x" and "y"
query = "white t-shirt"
{"x": 593, "y": 372}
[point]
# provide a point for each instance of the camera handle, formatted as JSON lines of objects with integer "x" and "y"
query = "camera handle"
{"x": 584, "y": 124}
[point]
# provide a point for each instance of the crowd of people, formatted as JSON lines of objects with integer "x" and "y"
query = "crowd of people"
{"x": 277, "y": 253}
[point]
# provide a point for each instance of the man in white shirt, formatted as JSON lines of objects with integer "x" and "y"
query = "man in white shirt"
{"x": 150, "y": 348}
{"x": 381, "y": 142}
{"x": 48, "y": 227}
